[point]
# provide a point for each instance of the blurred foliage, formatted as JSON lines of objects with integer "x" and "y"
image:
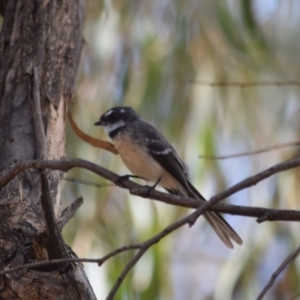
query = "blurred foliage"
{"x": 144, "y": 54}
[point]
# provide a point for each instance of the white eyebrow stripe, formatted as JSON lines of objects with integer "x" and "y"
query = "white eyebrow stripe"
{"x": 108, "y": 113}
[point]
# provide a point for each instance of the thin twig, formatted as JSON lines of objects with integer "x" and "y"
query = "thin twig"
{"x": 253, "y": 180}
{"x": 87, "y": 182}
{"x": 99, "y": 261}
{"x": 249, "y": 153}
{"x": 142, "y": 247}
{"x": 245, "y": 84}
{"x": 69, "y": 212}
{"x": 274, "y": 276}
{"x": 146, "y": 245}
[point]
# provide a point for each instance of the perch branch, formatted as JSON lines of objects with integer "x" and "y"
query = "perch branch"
{"x": 262, "y": 213}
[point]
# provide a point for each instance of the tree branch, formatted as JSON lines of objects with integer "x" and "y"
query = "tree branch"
{"x": 147, "y": 244}
{"x": 69, "y": 212}
{"x": 245, "y": 84}
{"x": 262, "y": 213}
{"x": 136, "y": 189}
{"x": 54, "y": 242}
{"x": 274, "y": 276}
{"x": 87, "y": 182}
{"x": 142, "y": 247}
{"x": 248, "y": 153}
{"x": 43, "y": 263}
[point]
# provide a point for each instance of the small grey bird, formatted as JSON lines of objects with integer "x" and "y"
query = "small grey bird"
{"x": 147, "y": 154}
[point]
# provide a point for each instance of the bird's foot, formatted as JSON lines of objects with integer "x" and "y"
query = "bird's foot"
{"x": 121, "y": 179}
{"x": 151, "y": 188}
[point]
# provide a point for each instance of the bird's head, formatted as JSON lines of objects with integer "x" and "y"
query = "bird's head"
{"x": 116, "y": 118}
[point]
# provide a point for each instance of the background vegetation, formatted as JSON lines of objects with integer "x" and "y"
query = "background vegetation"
{"x": 146, "y": 54}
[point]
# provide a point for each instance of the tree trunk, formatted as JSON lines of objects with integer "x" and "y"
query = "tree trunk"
{"x": 40, "y": 47}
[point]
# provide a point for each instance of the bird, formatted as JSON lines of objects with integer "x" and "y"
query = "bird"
{"x": 148, "y": 155}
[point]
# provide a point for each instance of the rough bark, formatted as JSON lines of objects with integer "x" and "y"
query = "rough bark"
{"x": 40, "y": 47}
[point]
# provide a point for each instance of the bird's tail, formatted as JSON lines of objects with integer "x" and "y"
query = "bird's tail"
{"x": 224, "y": 231}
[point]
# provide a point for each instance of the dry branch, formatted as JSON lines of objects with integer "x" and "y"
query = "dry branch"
{"x": 134, "y": 188}
{"x": 250, "y": 153}
{"x": 142, "y": 191}
{"x": 275, "y": 83}
{"x": 69, "y": 212}
{"x": 278, "y": 271}
{"x": 262, "y": 213}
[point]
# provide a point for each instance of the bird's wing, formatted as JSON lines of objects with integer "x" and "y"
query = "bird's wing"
{"x": 165, "y": 155}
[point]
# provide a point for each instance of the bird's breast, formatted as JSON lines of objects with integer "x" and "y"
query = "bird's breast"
{"x": 137, "y": 159}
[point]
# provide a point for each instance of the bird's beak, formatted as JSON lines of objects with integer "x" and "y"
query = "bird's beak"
{"x": 99, "y": 123}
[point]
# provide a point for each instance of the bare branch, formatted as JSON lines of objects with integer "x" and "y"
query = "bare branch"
{"x": 99, "y": 261}
{"x": 147, "y": 244}
{"x": 274, "y": 276}
{"x": 87, "y": 182}
{"x": 142, "y": 191}
{"x": 263, "y": 214}
{"x": 69, "y": 212}
{"x": 245, "y": 84}
{"x": 253, "y": 180}
{"x": 55, "y": 243}
{"x": 142, "y": 247}
{"x": 249, "y": 153}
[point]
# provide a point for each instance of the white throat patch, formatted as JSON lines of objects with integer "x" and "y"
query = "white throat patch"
{"x": 111, "y": 127}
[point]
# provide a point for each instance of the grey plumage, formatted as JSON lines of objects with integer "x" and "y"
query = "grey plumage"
{"x": 148, "y": 154}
